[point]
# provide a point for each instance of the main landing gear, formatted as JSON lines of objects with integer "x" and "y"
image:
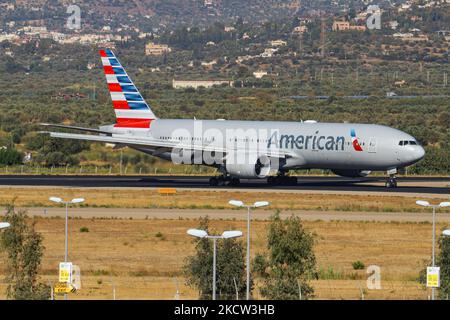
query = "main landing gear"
{"x": 223, "y": 180}
{"x": 282, "y": 179}
{"x": 391, "y": 182}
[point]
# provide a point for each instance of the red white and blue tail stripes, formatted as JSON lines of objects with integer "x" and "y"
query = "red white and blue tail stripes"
{"x": 355, "y": 141}
{"x": 130, "y": 107}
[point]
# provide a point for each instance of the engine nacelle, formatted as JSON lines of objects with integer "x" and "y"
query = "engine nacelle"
{"x": 352, "y": 173}
{"x": 259, "y": 169}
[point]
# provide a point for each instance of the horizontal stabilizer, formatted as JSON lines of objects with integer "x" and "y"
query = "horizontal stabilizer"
{"x": 49, "y": 125}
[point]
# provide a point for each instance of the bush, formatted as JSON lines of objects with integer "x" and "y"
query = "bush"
{"x": 23, "y": 249}
{"x": 291, "y": 261}
{"x": 10, "y": 156}
{"x": 101, "y": 272}
{"x": 358, "y": 265}
{"x": 160, "y": 236}
{"x": 84, "y": 229}
{"x": 230, "y": 267}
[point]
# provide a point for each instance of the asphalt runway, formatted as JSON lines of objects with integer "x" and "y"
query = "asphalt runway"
{"x": 406, "y": 185}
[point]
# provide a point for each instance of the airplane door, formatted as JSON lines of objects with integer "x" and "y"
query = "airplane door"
{"x": 373, "y": 145}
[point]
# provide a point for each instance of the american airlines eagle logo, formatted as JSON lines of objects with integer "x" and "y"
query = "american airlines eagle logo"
{"x": 355, "y": 141}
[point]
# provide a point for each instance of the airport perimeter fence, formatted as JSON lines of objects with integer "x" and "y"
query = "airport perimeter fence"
{"x": 124, "y": 170}
{"x": 105, "y": 170}
{"x": 154, "y": 288}
{"x": 115, "y": 169}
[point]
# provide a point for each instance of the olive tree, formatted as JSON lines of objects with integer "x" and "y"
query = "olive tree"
{"x": 230, "y": 267}
{"x": 24, "y": 250}
{"x": 290, "y": 262}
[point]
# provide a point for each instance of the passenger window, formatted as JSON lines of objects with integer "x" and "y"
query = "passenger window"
{"x": 400, "y": 143}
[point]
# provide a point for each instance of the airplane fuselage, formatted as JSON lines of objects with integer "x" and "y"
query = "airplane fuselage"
{"x": 312, "y": 145}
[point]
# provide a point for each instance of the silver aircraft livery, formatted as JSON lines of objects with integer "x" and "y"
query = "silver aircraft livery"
{"x": 248, "y": 149}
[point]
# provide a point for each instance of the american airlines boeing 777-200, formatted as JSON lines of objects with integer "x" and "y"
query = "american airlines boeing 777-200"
{"x": 248, "y": 149}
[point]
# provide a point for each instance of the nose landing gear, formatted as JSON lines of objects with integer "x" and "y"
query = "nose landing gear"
{"x": 391, "y": 182}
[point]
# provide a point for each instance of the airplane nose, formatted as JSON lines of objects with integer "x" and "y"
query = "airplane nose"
{"x": 419, "y": 153}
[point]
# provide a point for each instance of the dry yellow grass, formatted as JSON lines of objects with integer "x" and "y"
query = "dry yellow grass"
{"x": 146, "y": 198}
{"x": 143, "y": 266}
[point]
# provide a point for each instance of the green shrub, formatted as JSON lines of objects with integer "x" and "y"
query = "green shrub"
{"x": 101, "y": 272}
{"x": 358, "y": 265}
{"x": 160, "y": 236}
{"x": 330, "y": 274}
{"x": 10, "y": 156}
{"x": 84, "y": 229}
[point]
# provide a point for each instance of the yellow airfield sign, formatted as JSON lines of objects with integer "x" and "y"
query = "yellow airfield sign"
{"x": 63, "y": 288}
{"x": 433, "y": 277}
{"x": 65, "y": 272}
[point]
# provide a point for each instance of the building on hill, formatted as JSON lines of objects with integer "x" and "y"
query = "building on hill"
{"x": 209, "y": 64}
{"x": 341, "y": 25}
{"x": 410, "y": 36}
{"x": 278, "y": 43}
{"x": 7, "y": 6}
{"x": 268, "y": 53}
{"x": 183, "y": 84}
{"x": 259, "y": 74}
{"x": 153, "y": 49}
{"x": 345, "y": 26}
{"x": 393, "y": 24}
{"x": 443, "y": 33}
{"x": 300, "y": 30}
{"x": 358, "y": 28}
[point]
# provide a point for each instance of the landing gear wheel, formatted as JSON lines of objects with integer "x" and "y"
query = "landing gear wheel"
{"x": 234, "y": 182}
{"x": 213, "y": 182}
{"x": 282, "y": 180}
{"x": 293, "y": 181}
{"x": 221, "y": 181}
{"x": 391, "y": 183}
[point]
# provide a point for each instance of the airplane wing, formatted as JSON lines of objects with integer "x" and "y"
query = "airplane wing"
{"x": 155, "y": 143}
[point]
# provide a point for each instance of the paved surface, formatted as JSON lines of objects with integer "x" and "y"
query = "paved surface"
{"x": 407, "y": 185}
{"x": 236, "y": 214}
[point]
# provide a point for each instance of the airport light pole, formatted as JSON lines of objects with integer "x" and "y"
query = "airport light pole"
{"x": 66, "y": 203}
{"x": 203, "y": 234}
{"x": 257, "y": 204}
{"x": 434, "y": 207}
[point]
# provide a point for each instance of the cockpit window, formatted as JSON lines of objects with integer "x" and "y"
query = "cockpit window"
{"x": 407, "y": 142}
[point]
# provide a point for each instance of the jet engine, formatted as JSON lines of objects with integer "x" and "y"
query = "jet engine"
{"x": 260, "y": 168}
{"x": 351, "y": 173}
